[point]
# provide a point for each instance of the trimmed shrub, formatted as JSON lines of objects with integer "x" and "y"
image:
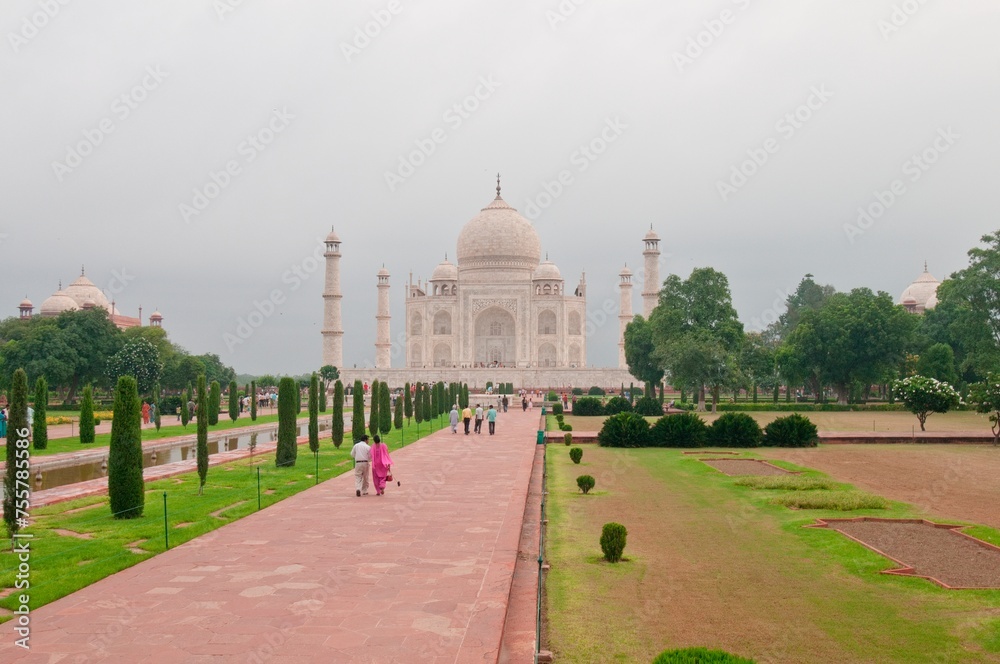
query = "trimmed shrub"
{"x": 126, "y": 490}
{"x": 384, "y": 409}
{"x": 576, "y": 454}
{"x": 586, "y": 483}
{"x": 87, "y": 416}
{"x": 568, "y": 439}
{"x": 566, "y": 427}
{"x": 735, "y": 430}
{"x": 234, "y": 401}
{"x": 40, "y": 427}
{"x": 699, "y": 656}
{"x": 202, "y": 446}
{"x": 314, "y": 413}
{"x": 648, "y": 406}
{"x": 337, "y": 424}
{"x": 679, "y": 430}
{"x": 624, "y": 430}
{"x": 596, "y": 391}
{"x": 253, "y": 401}
{"x": 791, "y": 431}
{"x": 288, "y": 449}
{"x": 552, "y": 396}
{"x": 17, "y": 430}
{"x": 577, "y": 391}
{"x": 588, "y": 406}
{"x": 214, "y": 403}
{"x": 613, "y": 537}
{"x": 358, "y": 413}
{"x": 617, "y": 405}
{"x": 557, "y": 408}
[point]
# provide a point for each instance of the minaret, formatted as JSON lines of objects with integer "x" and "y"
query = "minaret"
{"x": 651, "y": 276}
{"x": 624, "y": 314}
{"x": 333, "y": 327}
{"x": 383, "y": 342}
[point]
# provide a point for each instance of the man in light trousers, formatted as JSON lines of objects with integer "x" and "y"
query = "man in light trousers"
{"x": 361, "y": 453}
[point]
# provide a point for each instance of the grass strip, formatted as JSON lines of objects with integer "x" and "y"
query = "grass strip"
{"x": 787, "y": 483}
{"x": 840, "y": 501}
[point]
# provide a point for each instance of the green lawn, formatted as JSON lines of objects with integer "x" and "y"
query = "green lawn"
{"x": 62, "y": 563}
{"x": 710, "y": 563}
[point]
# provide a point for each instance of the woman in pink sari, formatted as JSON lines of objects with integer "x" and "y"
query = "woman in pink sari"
{"x": 381, "y": 464}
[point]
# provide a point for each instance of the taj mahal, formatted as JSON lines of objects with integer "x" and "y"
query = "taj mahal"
{"x": 498, "y": 313}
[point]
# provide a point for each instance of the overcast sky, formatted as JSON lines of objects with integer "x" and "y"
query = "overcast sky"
{"x": 114, "y": 114}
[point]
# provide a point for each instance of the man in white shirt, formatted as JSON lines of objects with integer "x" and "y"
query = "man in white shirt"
{"x": 362, "y": 454}
{"x": 479, "y": 418}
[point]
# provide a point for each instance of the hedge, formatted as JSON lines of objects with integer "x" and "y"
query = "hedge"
{"x": 699, "y": 656}
{"x": 588, "y": 406}
{"x": 624, "y": 430}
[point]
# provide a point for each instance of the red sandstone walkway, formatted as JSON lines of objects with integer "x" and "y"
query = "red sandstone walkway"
{"x": 422, "y": 574}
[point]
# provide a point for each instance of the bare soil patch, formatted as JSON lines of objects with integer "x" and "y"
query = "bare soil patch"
{"x": 932, "y": 551}
{"x": 947, "y": 481}
{"x": 744, "y": 467}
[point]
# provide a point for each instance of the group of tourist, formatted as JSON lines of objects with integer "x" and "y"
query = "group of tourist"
{"x": 467, "y": 416}
{"x": 371, "y": 459}
{"x": 148, "y": 412}
{"x": 4, "y": 416}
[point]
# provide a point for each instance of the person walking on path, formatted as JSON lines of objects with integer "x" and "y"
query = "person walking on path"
{"x": 505, "y": 402}
{"x": 466, "y": 418}
{"x": 145, "y": 413}
{"x": 381, "y": 464}
{"x": 152, "y": 412}
{"x": 479, "y": 418}
{"x": 453, "y": 418}
{"x": 491, "y": 417}
{"x": 361, "y": 454}
{"x": 3, "y": 422}
{"x": 524, "y": 404}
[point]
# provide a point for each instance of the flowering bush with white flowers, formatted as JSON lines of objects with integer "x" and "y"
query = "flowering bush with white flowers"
{"x": 140, "y": 359}
{"x": 922, "y": 396}
{"x": 985, "y": 397}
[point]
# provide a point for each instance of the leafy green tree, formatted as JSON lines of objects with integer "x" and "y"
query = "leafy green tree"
{"x": 757, "y": 363}
{"x": 215, "y": 370}
{"x": 17, "y": 449}
{"x": 234, "y": 401}
{"x": 140, "y": 359}
{"x": 985, "y": 397}
{"x": 126, "y": 489}
{"x": 253, "y": 401}
{"x": 808, "y": 296}
{"x": 397, "y": 421}
{"x": 329, "y": 373}
{"x": 87, "y": 415}
{"x": 923, "y": 395}
{"x": 407, "y": 402}
{"x": 180, "y": 369}
{"x": 938, "y": 361}
{"x": 384, "y": 409}
{"x": 358, "y": 415}
{"x": 40, "y": 429}
{"x": 314, "y": 413}
{"x": 639, "y": 352}
{"x": 40, "y": 347}
{"x": 288, "y": 448}
{"x": 373, "y": 409}
{"x": 214, "y": 403}
{"x": 202, "y": 416}
{"x": 94, "y": 339}
{"x": 337, "y": 425}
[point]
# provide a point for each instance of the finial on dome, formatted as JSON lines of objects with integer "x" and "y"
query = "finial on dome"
{"x": 546, "y": 255}
{"x": 60, "y": 284}
{"x": 82, "y": 271}
{"x": 446, "y": 256}
{"x": 925, "y": 265}
{"x": 498, "y": 185}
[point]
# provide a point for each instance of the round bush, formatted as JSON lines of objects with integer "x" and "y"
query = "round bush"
{"x": 588, "y": 406}
{"x": 551, "y": 396}
{"x": 568, "y": 439}
{"x": 576, "y": 454}
{"x": 791, "y": 431}
{"x": 617, "y": 405}
{"x": 613, "y": 537}
{"x": 679, "y": 430}
{"x": 624, "y": 430}
{"x": 699, "y": 656}
{"x": 595, "y": 391}
{"x": 648, "y": 406}
{"x": 578, "y": 391}
{"x": 557, "y": 408}
{"x": 586, "y": 483}
{"x": 735, "y": 430}
{"x": 566, "y": 427}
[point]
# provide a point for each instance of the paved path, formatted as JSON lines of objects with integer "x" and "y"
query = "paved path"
{"x": 422, "y": 574}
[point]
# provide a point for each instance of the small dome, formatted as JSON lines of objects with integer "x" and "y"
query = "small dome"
{"x": 57, "y": 303}
{"x": 332, "y": 237}
{"x": 89, "y": 304}
{"x": 499, "y": 236}
{"x": 920, "y": 291}
{"x": 26, "y": 304}
{"x": 383, "y": 272}
{"x": 547, "y": 271}
{"x": 651, "y": 235}
{"x": 445, "y": 271}
{"x": 625, "y": 272}
{"x": 931, "y": 303}
{"x": 156, "y": 315}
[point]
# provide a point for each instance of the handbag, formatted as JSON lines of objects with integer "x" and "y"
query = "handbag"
{"x": 388, "y": 477}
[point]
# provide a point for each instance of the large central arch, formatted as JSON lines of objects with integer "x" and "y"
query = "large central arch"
{"x": 496, "y": 338}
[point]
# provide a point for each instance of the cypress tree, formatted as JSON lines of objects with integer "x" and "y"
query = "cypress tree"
{"x": 397, "y": 420}
{"x": 373, "y": 409}
{"x": 337, "y": 426}
{"x": 158, "y": 400}
{"x": 17, "y": 432}
{"x": 434, "y": 401}
{"x": 407, "y": 402}
{"x": 214, "y": 403}
{"x": 253, "y": 401}
{"x": 126, "y": 489}
{"x": 288, "y": 448}
{"x": 426, "y": 406}
{"x": 358, "y": 414}
{"x": 384, "y": 409}
{"x": 234, "y": 401}
{"x": 87, "y": 415}
{"x": 203, "y": 405}
{"x": 314, "y": 413}
{"x": 465, "y": 395}
{"x": 40, "y": 430}
{"x": 322, "y": 396}
{"x": 418, "y": 404}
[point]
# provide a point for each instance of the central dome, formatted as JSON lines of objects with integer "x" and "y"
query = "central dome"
{"x": 499, "y": 236}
